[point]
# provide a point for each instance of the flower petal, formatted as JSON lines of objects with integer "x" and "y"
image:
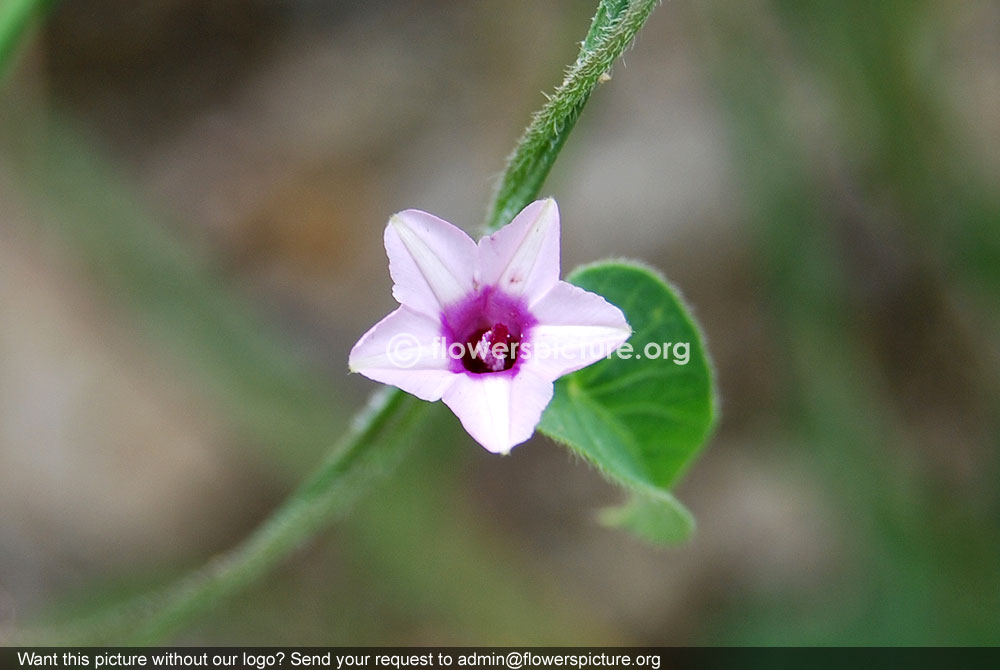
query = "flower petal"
{"x": 522, "y": 258}
{"x": 406, "y": 350}
{"x": 432, "y": 263}
{"x": 575, "y": 328}
{"x": 499, "y": 410}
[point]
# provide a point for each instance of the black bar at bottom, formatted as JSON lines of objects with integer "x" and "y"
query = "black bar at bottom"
{"x": 486, "y": 658}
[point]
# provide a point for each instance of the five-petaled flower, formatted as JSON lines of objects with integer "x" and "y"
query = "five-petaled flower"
{"x": 495, "y": 307}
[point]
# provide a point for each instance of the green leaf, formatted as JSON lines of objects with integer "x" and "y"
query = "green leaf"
{"x": 654, "y": 515}
{"x": 641, "y": 415}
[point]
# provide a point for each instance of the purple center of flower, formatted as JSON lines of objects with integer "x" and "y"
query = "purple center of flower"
{"x": 491, "y": 349}
{"x": 488, "y": 329}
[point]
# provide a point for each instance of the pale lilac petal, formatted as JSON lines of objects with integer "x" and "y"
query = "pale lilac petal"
{"x": 575, "y": 328}
{"x": 432, "y": 263}
{"x": 522, "y": 258}
{"x": 499, "y": 410}
{"x": 406, "y": 350}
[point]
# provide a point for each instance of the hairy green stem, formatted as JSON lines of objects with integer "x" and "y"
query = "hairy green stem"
{"x": 385, "y": 423}
{"x": 614, "y": 27}
{"x": 377, "y": 440}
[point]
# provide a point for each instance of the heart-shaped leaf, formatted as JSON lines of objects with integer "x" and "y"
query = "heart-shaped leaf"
{"x": 641, "y": 415}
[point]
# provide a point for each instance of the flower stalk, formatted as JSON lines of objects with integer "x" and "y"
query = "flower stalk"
{"x": 612, "y": 30}
{"x": 375, "y": 443}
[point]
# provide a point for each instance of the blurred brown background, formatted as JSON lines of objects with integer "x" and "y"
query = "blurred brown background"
{"x": 192, "y": 198}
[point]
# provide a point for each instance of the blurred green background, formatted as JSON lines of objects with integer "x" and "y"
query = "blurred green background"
{"x": 192, "y": 198}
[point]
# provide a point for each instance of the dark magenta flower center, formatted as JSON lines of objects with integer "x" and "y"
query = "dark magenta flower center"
{"x": 488, "y": 329}
{"x": 491, "y": 349}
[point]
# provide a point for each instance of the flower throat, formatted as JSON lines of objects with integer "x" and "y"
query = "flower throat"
{"x": 490, "y": 349}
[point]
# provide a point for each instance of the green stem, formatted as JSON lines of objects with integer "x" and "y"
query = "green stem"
{"x": 613, "y": 28}
{"x": 389, "y": 418}
{"x": 15, "y": 18}
{"x": 392, "y": 414}
{"x": 387, "y": 421}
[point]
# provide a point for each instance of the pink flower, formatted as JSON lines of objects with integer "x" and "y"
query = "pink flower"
{"x": 487, "y": 328}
